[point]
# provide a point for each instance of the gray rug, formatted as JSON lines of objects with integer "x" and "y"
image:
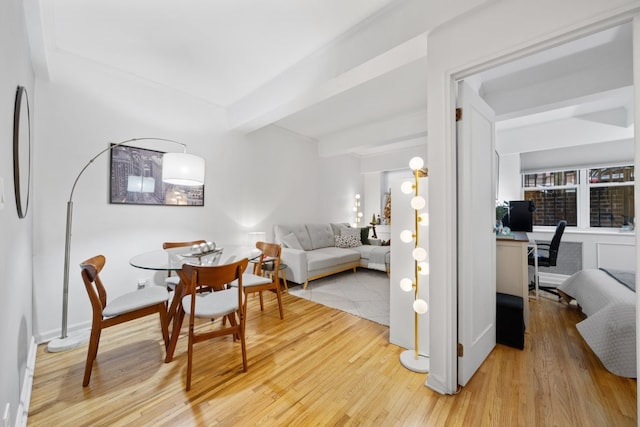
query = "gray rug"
{"x": 364, "y": 293}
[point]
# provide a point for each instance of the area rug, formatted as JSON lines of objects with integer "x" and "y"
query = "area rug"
{"x": 364, "y": 293}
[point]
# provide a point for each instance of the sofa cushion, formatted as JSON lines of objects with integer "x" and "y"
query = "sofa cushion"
{"x": 291, "y": 241}
{"x": 300, "y": 231}
{"x": 329, "y": 257}
{"x": 337, "y": 227}
{"x": 321, "y": 235}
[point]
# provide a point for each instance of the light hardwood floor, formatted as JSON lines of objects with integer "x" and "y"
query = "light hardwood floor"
{"x": 324, "y": 367}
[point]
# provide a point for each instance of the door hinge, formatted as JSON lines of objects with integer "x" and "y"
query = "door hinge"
{"x": 458, "y": 114}
{"x": 460, "y": 350}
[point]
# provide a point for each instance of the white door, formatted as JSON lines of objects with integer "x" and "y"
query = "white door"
{"x": 476, "y": 236}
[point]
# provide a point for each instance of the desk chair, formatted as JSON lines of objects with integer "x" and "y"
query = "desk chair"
{"x": 548, "y": 255}
{"x": 127, "y": 307}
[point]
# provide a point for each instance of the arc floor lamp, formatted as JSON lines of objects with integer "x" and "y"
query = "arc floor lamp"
{"x": 177, "y": 168}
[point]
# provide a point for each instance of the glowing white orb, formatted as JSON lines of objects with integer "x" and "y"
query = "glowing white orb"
{"x": 423, "y": 268}
{"x": 419, "y": 254}
{"x": 418, "y": 203}
{"x": 406, "y": 187}
{"x": 406, "y": 236}
{"x": 416, "y": 163}
{"x": 406, "y": 284}
{"x": 420, "y": 306}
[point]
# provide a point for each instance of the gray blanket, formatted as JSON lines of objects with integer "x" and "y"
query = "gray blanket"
{"x": 378, "y": 256}
{"x": 627, "y": 278}
{"x": 610, "y": 326}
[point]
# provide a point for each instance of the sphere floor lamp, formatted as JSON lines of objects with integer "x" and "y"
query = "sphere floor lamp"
{"x": 412, "y": 359}
{"x": 177, "y": 168}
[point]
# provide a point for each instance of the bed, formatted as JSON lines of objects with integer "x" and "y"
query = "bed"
{"x": 608, "y": 298}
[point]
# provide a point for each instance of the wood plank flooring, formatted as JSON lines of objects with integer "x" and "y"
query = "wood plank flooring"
{"x": 324, "y": 367}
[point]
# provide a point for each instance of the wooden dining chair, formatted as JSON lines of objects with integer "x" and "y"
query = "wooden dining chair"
{"x": 221, "y": 302}
{"x": 130, "y": 306}
{"x": 262, "y": 280}
{"x": 172, "y": 280}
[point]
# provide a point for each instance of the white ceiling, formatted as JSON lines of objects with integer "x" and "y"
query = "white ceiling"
{"x": 228, "y": 52}
{"x": 219, "y": 50}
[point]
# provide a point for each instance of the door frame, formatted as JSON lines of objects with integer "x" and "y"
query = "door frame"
{"x": 443, "y": 172}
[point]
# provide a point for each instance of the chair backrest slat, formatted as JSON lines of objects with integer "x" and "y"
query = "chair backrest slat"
{"x": 91, "y": 269}
{"x": 215, "y": 276}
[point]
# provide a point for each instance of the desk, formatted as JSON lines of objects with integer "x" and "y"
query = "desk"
{"x": 512, "y": 268}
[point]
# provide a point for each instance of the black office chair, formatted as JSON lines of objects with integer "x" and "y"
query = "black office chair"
{"x": 548, "y": 256}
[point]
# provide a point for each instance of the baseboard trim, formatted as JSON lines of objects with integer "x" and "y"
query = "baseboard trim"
{"x": 27, "y": 384}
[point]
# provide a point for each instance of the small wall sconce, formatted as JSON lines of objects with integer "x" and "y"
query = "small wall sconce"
{"x": 357, "y": 211}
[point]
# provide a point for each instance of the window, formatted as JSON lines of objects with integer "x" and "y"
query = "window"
{"x": 598, "y": 197}
{"x": 555, "y": 196}
{"x": 611, "y": 196}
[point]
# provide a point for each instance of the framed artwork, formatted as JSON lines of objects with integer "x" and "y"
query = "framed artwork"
{"x": 136, "y": 179}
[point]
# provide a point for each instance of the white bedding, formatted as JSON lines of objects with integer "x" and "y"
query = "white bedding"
{"x": 610, "y": 326}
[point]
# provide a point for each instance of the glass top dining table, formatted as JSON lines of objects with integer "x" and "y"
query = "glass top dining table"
{"x": 167, "y": 260}
{"x": 173, "y": 260}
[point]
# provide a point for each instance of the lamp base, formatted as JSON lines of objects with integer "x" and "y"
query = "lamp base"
{"x": 71, "y": 341}
{"x": 409, "y": 361}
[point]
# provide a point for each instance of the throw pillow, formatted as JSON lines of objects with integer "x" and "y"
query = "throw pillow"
{"x": 364, "y": 235}
{"x": 348, "y": 241}
{"x": 291, "y": 241}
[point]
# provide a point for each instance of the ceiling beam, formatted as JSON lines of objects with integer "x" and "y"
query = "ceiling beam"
{"x": 367, "y": 51}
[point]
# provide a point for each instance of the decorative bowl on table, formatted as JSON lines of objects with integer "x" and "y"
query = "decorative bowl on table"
{"x": 202, "y": 250}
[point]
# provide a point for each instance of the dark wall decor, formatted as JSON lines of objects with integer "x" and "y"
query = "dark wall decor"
{"x": 21, "y": 151}
{"x": 136, "y": 179}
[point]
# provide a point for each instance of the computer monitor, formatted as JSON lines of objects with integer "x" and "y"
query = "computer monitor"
{"x": 520, "y": 216}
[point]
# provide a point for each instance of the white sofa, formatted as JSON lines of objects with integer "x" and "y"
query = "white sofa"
{"x": 310, "y": 251}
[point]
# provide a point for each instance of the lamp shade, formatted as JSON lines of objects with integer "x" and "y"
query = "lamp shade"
{"x": 182, "y": 169}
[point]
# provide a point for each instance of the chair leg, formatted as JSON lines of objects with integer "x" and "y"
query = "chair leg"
{"x": 233, "y": 322}
{"x": 242, "y": 341}
{"x": 279, "y": 295}
{"x": 189, "y": 355}
{"x": 164, "y": 325}
{"x": 177, "y": 325}
{"x": 261, "y": 302}
{"x": 94, "y": 341}
{"x": 284, "y": 280}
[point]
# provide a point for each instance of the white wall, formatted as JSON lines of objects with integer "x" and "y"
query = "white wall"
{"x": 373, "y": 185}
{"x": 599, "y": 248}
{"x": 509, "y": 182}
{"x": 252, "y": 183}
{"x": 485, "y": 37}
{"x": 16, "y": 240}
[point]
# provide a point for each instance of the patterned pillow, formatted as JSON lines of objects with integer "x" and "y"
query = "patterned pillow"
{"x": 348, "y": 241}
